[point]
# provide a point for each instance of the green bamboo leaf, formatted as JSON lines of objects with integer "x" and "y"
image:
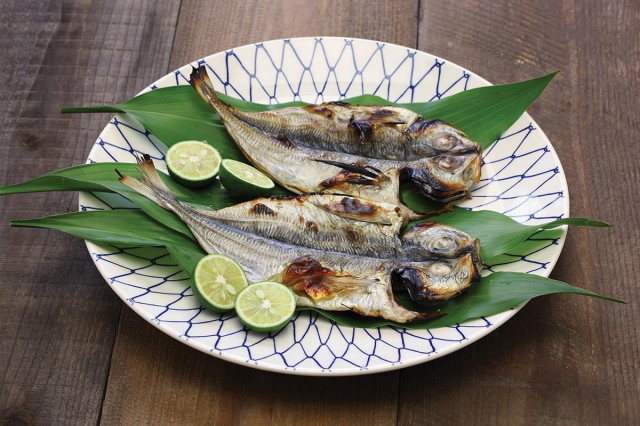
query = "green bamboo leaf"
{"x": 499, "y": 233}
{"x": 485, "y": 113}
{"x": 174, "y": 114}
{"x": 118, "y": 227}
{"x": 98, "y": 177}
{"x": 186, "y": 256}
{"x": 495, "y": 293}
{"x": 177, "y": 113}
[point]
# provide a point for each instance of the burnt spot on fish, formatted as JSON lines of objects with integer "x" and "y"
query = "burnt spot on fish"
{"x": 352, "y": 207}
{"x": 362, "y": 129}
{"x": 353, "y": 235}
{"x": 416, "y": 284}
{"x": 307, "y": 276}
{"x": 260, "y": 208}
{"x": 301, "y": 219}
{"x": 284, "y": 141}
{"x": 319, "y": 109}
{"x": 424, "y": 125}
{"x": 338, "y": 103}
{"x": 381, "y": 113}
{"x": 312, "y": 226}
{"x": 338, "y": 179}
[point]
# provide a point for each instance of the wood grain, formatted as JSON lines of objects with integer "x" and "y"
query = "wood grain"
{"x": 556, "y": 362}
{"x": 72, "y": 354}
{"x": 58, "y": 316}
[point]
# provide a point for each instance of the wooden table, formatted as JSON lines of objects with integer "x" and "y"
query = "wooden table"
{"x": 73, "y": 353}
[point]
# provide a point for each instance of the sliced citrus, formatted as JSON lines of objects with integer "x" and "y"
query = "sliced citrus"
{"x": 244, "y": 181}
{"x": 265, "y": 306}
{"x": 193, "y": 163}
{"x": 217, "y": 281}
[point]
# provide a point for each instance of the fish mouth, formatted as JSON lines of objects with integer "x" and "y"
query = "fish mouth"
{"x": 436, "y": 282}
{"x": 445, "y": 178}
{"x": 433, "y": 188}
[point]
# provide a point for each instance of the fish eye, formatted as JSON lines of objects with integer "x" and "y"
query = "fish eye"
{"x": 444, "y": 243}
{"x": 446, "y": 142}
{"x": 439, "y": 269}
{"x": 448, "y": 162}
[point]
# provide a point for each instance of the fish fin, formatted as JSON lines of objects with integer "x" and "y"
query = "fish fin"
{"x": 200, "y": 81}
{"x": 150, "y": 185}
{"x": 368, "y": 171}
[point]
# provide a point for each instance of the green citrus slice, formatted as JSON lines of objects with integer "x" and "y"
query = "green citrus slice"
{"x": 244, "y": 181}
{"x": 265, "y": 306}
{"x": 193, "y": 163}
{"x": 217, "y": 281}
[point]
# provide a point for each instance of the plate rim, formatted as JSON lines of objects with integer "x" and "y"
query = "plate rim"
{"x": 306, "y": 371}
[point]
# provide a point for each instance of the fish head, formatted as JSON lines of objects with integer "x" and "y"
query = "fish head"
{"x": 428, "y": 240}
{"x": 433, "y": 282}
{"x": 437, "y": 136}
{"x": 445, "y": 177}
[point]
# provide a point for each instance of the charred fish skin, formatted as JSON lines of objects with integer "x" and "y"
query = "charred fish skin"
{"x": 386, "y": 132}
{"x": 329, "y": 222}
{"x": 347, "y": 224}
{"x": 354, "y": 283}
{"x": 302, "y": 169}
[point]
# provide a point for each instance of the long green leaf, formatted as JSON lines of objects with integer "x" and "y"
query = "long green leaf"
{"x": 485, "y": 113}
{"x": 118, "y": 227}
{"x": 495, "y": 293}
{"x": 177, "y": 113}
{"x": 499, "y": 233}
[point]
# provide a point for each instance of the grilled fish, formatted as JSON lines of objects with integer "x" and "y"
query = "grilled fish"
{"x": 385, "y": 132}
{"x": 347, "y": 224}
{"x": 303, "y": 169}
{"x": 323, "y": 279}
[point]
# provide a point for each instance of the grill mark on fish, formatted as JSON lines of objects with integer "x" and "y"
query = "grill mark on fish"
{"x": 284, "y": 141}
{"x": 260, "y": 208}
{"x": 319, "y": 109}
{"x": 362, "y": 129}
{"x": 352, "y": 206}
{"x": 338, "y": 103}
{"x": 312, "y": 226}
{"x": 353, "y": 235}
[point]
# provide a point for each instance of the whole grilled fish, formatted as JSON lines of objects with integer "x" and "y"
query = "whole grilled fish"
{"x": 323, "y": 279}
{"x": 347, "y": 224}
{"x": 303, "y": 169}
{"x": 385, "y": 132}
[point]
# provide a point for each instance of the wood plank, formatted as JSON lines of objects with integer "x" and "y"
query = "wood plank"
{"x": 563, "y": 359}
{"x": 161, "y": 380}
{"x": 59, "y": 317}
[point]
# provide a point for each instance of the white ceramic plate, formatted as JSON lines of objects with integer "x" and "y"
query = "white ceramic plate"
{"x": 521, "y": 177}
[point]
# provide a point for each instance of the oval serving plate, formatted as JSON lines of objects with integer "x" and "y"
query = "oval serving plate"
{"x": 521, "y": 177}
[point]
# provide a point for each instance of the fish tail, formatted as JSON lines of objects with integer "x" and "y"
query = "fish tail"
{"x": 150, "y": 184}
{"x": 201, "y": 82}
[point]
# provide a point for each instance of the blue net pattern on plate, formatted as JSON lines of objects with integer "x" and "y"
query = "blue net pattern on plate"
{"x": 521, "y": 178}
